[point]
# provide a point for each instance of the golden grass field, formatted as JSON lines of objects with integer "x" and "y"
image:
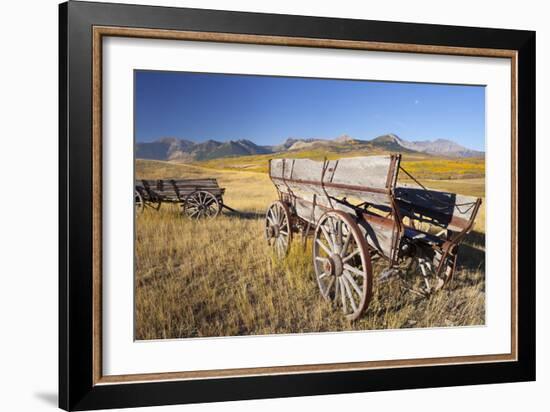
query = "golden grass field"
{"x": 421, "y": 166}
{"x": 219, "y": 277}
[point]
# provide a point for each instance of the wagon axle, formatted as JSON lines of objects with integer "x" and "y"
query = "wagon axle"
{"x": 273, "y": 231}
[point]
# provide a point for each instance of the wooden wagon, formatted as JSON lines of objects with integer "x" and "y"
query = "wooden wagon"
{"x": 199, "y": 198}
{"x": 358, "y": 215}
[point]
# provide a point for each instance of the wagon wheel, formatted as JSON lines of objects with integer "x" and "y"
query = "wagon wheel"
{"x": 448, "y": 268}
{"x": 201, "y": 204}
{"x": 138, "y": 200}
{"x": 423, "y": 277}
{"x": 342, "y": 263}
{"x": 277, "y": 228}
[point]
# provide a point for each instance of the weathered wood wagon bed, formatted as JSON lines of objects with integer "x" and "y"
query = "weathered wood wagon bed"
{"x": 358, "y": 214}
{"x": 199, "y": 198}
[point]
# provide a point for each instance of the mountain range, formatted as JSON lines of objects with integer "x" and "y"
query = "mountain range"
{"x": 186, "y": 150}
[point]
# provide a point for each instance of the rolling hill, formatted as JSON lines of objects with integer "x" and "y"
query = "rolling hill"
{"x": 188, "y": 151}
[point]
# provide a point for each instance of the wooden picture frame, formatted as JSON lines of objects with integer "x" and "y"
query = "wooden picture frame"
{"x": 81, "y": 382}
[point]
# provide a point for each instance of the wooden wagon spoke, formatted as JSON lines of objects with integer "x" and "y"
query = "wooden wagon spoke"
{"x": 329, "y": 225}
{"x": 346, "y": 244}
{"x": 323, "y": 275}
{"x": 349, "y": 293}
{"x": 275, "y": 212}
{"x": 342, "y": 295}
{"x": 328, "y": 239}
{"x": 193, "y": 200}
{"x": 351, "y": 255}
{"x": 327, "y": 251}
{"x": 209, "y": 202}
{"x": 352, "y": 282}
{"x": 354, "y": 270}
{"x": 279, "y": 247}
{"x": 213, "y": 205}
{"x": 332, "y": 235}
{"x": 329, "y": 286}
{"x": 192, "y": 209}
{"x": 279, "y": 217}
{"x": 346, "y": 298}
{"x": 339, "y": 233}
{"x": 138, "y": 200}
{"x": 271, "y": 218}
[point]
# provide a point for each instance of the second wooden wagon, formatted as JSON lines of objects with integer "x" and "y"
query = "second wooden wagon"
{"x": 199, "y": 198}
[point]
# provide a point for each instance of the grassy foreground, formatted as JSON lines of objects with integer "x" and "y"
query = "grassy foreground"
{"x": 219, "y": 278}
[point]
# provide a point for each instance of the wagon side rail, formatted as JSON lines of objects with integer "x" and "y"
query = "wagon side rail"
{"x": 181, "y": 188}
{"x": 177, "y": 189}
{"x": 372, "y": 181}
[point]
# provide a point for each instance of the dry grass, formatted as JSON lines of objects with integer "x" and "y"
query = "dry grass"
{"x": 440, "y": 168}
{"x": 219, "y": 278}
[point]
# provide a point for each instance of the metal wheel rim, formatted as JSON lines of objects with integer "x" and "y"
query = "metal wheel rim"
{"x": 342, "y": 264}
{"x": 201, "y": 205}
{"x": 277, "y": 228}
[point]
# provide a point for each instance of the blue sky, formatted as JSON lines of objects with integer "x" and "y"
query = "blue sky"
{"x": 268, "y": 110}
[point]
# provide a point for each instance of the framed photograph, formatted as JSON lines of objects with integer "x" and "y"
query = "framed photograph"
{"x": 257, "y": 205}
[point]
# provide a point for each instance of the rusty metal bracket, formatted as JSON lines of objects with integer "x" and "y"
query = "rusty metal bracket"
{"x": 323, "y": 172}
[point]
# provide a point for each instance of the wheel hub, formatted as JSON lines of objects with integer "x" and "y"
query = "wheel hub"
{"x": 334, "y": 265}
{"x": 273, "y": 231}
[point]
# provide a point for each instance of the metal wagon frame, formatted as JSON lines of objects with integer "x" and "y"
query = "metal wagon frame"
{"x": 360, "y": 215}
